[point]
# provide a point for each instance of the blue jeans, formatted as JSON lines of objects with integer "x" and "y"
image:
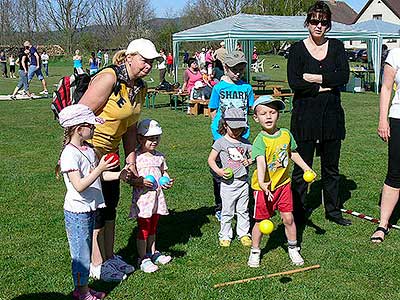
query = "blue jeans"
{"x": 79, "y": 227}
{"x": 46, "y": 69}
{"x": 23, "y": 81}
{"x": 32, "y": 71}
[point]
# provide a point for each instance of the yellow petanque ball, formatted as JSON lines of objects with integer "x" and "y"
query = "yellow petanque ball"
{"x": 266, "y": 226}
{"x": 308, "y": 176}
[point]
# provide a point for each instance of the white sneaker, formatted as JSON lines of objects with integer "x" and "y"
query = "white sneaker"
{"x": 295, "y": 256}
{"x": 44, "y": 92}
{"x": 121, "y": 265}
{"x": 147, "y": 266}
{"x": 95, "y": 271}
{"x": 110, "y": 274}
{"x": 160, "y": 259}
{"x": 254, "y": 258}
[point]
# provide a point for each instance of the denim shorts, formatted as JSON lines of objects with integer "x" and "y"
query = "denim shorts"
{"x": 32, "y": 71}
{"x": 79, "y": 228}
{"x": 23, "y": 80}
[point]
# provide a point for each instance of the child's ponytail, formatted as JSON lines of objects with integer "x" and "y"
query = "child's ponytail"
{"x": 66, "y": 140}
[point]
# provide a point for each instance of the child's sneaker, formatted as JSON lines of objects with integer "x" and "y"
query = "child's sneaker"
{"x": 224, "y": 243}
{"x": 110, "y": 274}
{"x": 98, "y": 295}
{"x": 218, "y": 215}
{"x": 44, "y": 92}
{"x": 254, "y": 258}
{"x": 246, "y": 241}
{"x": 295, "y": 256}
{"x": 160, "y": 259}
{"x": 147, "y": 266}
{"x": 121, "y": 265}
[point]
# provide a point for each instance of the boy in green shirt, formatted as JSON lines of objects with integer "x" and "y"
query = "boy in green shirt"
{"x": 272, "y": 150}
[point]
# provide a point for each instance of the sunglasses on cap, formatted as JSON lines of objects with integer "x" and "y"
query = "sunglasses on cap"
{"x": 315, "y": 22}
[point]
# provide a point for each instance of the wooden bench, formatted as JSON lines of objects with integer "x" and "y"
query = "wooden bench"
{"x": 199, "y": 106}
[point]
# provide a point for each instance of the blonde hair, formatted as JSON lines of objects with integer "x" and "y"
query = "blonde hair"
{"x": 68, "y": 132}
{"x": 119, "y": 57}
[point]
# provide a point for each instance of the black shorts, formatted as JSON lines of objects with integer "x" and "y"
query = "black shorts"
{"x": 111, "y": 193}
{"x": 393, "y": 173}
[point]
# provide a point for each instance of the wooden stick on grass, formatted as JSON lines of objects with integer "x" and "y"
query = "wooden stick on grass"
{"x": 267, "y": 276}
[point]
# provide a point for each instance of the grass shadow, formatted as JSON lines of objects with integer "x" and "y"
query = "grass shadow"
{"x": 314, "y": 197}
{"x": 176, "y": 228}
{"x": 42, "y": 296}
{"x": 275, "y": 240}
{"x": 314, "y": 200}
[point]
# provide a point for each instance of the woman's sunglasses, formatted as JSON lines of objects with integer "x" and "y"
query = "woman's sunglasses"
{"x": 315, "y": 22}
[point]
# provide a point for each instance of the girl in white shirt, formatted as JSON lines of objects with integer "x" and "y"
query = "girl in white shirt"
{"x": 81, "y": 171}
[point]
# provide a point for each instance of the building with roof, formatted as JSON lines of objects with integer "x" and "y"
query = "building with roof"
{"x": 384, "y": 10}
{"x": 341, "y": 12}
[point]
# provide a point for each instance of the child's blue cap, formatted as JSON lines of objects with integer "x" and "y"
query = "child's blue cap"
{"x": 269, "y": 100}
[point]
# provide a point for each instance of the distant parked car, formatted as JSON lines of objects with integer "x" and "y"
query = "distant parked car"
{"x": 362, "y": 55}
{"x": 351, "y": 55}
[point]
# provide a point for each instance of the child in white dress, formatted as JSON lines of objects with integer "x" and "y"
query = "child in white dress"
{"x": 148, "y": 201}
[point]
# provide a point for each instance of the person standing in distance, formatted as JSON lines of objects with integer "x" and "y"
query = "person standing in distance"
{"x": 35, "y": 67}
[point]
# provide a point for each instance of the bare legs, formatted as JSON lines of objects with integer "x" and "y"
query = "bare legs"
{"x": 390, "y": 197}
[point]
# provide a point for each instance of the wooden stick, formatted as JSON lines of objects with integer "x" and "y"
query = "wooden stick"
{"x": 267, "y": 276}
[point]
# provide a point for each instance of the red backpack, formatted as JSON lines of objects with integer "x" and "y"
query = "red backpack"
{"x": 70, "y": 89}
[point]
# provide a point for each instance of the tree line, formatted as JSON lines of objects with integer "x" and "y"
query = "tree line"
{"x": 95, "y": 24}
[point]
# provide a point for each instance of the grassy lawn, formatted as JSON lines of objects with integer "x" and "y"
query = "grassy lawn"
{"x": 34, "y": 255}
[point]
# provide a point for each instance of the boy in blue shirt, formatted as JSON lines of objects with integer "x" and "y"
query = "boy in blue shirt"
{"x": 230, "y": 92}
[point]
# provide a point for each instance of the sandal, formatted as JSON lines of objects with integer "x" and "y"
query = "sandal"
{"x": 378, "y": 239}
{"x": 160, "y": 259}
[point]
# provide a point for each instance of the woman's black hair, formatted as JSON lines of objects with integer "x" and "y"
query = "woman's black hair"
{"x": 191, "y": 60}
{"x": 321, "y": 10}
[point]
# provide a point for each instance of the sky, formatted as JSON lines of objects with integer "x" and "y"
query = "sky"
{"x": 165, "y": 8}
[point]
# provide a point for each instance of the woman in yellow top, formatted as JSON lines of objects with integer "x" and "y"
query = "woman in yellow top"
{"x": 120, "y": 107}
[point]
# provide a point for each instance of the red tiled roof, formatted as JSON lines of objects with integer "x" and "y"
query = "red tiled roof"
{"x": 341, "y": 12}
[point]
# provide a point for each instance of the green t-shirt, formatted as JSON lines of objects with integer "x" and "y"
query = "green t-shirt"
{"x": 277, "y": 150}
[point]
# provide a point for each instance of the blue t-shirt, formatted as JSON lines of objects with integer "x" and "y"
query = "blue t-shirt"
{"x": 33, "y": 57}
{"x": 227, "y": 95}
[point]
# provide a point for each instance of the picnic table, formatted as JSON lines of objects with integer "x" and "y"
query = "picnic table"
{"x": 174, "y": 97}
{"x": 364, "y": 75}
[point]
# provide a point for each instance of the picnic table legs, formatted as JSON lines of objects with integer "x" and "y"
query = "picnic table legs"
{"x": 150, "y": 99}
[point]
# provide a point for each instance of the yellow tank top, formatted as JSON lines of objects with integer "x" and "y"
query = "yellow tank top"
{"x": 119, "y": 114}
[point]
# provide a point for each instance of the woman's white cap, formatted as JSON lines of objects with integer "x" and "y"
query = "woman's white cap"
{"x": 148, "y": 127}
{"x": 143, "y": 47}
{"x": 77, "y": 114}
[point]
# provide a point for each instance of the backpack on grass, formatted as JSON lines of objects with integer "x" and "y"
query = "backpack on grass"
{"x": 70, "y": 89}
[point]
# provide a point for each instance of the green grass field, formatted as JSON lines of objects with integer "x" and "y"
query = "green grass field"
{"x": 34, "y": 255}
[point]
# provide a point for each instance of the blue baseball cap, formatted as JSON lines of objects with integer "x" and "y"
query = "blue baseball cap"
{"x": 269, "y": 100}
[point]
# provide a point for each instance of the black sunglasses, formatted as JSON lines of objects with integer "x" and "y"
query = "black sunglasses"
{"x": 315, "y": 22}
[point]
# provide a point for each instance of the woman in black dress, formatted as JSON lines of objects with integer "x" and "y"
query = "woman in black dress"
{"x": 317, "y": 68}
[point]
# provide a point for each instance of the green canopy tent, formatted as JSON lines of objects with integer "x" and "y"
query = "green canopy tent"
{"x": 248, "y": 28}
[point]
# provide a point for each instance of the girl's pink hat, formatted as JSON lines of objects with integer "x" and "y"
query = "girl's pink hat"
{"x": 77, "y": 114}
